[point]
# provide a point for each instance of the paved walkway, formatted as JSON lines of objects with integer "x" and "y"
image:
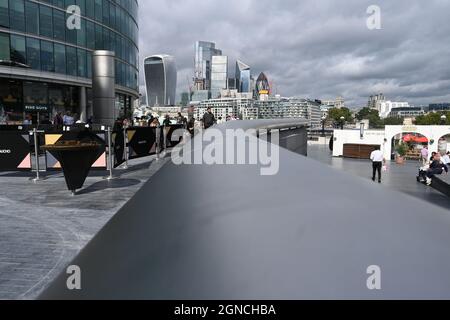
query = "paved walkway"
{"x": 399, "y": 177}
{"x": 43, "y": 227}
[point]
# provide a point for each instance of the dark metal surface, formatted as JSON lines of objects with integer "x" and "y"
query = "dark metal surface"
{"x": 103, "y": 86}
{"x": 226, "y": 232}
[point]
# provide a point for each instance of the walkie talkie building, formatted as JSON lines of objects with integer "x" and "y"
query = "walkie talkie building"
{"x": 160, "y": 80}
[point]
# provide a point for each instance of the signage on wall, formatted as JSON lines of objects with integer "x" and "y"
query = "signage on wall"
{"x": 36, "y": 108}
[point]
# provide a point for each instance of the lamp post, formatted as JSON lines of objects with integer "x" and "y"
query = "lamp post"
{"x": 342, "y": 122}
{"x": 443, "y": 119}
{"x": 324, "y": 120}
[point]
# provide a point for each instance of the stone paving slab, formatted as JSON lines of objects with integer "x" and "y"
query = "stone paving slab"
{"x": 43, "y": 227}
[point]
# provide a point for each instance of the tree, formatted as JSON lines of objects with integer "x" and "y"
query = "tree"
{"x": 432, "y": 119}
{"x": 393, "y": 121}
{"x": 335, "y": 115}
{"x": 372, "y": 115}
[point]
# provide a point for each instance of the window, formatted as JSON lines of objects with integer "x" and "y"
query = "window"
{"x": 17, "y": 14}
{"x": 82, "y": 5}
{"x": 90, "y": 35}
{"x": 58, "y": 3}
{"x": 18, "y": 50}
{"x": 33, "y": 53}
{"x": 81, "y": 34}
{"x": 98, "y": 10}
{"x": 47, "y": 56}
{"x": 71, "y": 35}
{"x": 4, "y": 13}
{"x": 4, "y": 47}
{"x": 60, "y": 58}
{"x": 46, "y": 21}
{"x": 71, "y": 57}
{"x": 106, "y": 12}
{"x": 98, "y": 37}
{"x": 32, "y": 17}
{"x": 89, "y": 65}
{"x": 59, "y": 24}
{"x": 90, "y": 9}
{"x": 81, "y": 57}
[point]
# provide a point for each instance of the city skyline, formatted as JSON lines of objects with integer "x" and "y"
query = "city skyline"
{"x": 331, "y": 54}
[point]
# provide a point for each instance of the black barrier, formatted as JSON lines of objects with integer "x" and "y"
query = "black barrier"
{"x": 141, "y": 142}
{"x": 15, "y": 153}
{"x": 171, "y": 137}
{"x": 118, "y": 141}
{"x": 82, "y": 134}
{"x": 76, "y": 159}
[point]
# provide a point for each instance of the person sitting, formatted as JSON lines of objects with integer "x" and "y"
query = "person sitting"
{"x": 437, "y": 167}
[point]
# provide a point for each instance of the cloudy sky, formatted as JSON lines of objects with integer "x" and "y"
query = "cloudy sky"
{"x": 318, "y": 49}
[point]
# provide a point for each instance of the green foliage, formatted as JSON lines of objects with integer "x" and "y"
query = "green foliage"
{"x": 336, "y": 114}
{"x": 433, "y": 118}
{"x": 374, "y": 117}
{"x": 393, "y": 121}
{"x": 402, "y": 149}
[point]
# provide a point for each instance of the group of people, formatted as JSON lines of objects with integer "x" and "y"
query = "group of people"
{"x": 436, "y": 165}
{"x": 68, "y": 119}
{"x": 210, "y": 120}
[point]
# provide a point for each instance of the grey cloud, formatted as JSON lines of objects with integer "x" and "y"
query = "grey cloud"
{"x": 313, "y": 48}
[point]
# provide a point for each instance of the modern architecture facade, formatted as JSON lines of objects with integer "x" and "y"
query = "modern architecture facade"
{"x": 243, "y": 106}
{"x": 204, "y": 51}
{"x": 262, "y": 87}
{"x": 219, "y": 75}
{"x": 160, "y": 80}
{"x": 243, "y": 77}
{"x": 47, "y": 65}
{"x": 409, "y": 112}
{"x": 437, "y": 107}
{"x": 385, "y": 107}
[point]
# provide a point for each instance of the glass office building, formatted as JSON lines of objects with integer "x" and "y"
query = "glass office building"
{"x": 204, "y": 51}
{"x": 45, "y": 63}
{"x": 243, "y": 76}
{"x": 219, "y": 75}
{"x": 160, "y": 80}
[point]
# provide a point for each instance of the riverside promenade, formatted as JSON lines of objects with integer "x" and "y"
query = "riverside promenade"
{"x": 399, "y": 177}
{"x": 43, "y": 227}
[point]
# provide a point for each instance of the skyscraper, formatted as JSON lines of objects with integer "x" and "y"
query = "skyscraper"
{"x": 243, "y": 77}
{"x": 160, "y": 80}
{"x": 204, "y": 51}
{"x": 46, "y": 65}
{"x": 262, "y": 87}
{"x": 219, "y": 75}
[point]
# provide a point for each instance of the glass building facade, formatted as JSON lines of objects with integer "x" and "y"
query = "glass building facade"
{"x": 160, "y": 80}
{"x": 43, "y": 61}
{"x": 243, "y": 77}
{"x": 219, "y": 75}
{"x": 204, "y": 51}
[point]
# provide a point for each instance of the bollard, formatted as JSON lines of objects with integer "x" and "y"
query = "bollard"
{"x": 158, "y": 141}
{"x": 165, "y": 138}
{"x": 36, "y": 154}
{"x": 125, "y": 148}
{"x": 110, "y": 156}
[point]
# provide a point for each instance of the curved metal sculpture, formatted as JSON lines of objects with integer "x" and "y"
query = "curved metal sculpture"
{"x": 226, "y": 232}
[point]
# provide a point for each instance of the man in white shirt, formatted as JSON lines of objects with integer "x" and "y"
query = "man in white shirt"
{"x": 377, "y": 163}
{"x": 446, "y": 158}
